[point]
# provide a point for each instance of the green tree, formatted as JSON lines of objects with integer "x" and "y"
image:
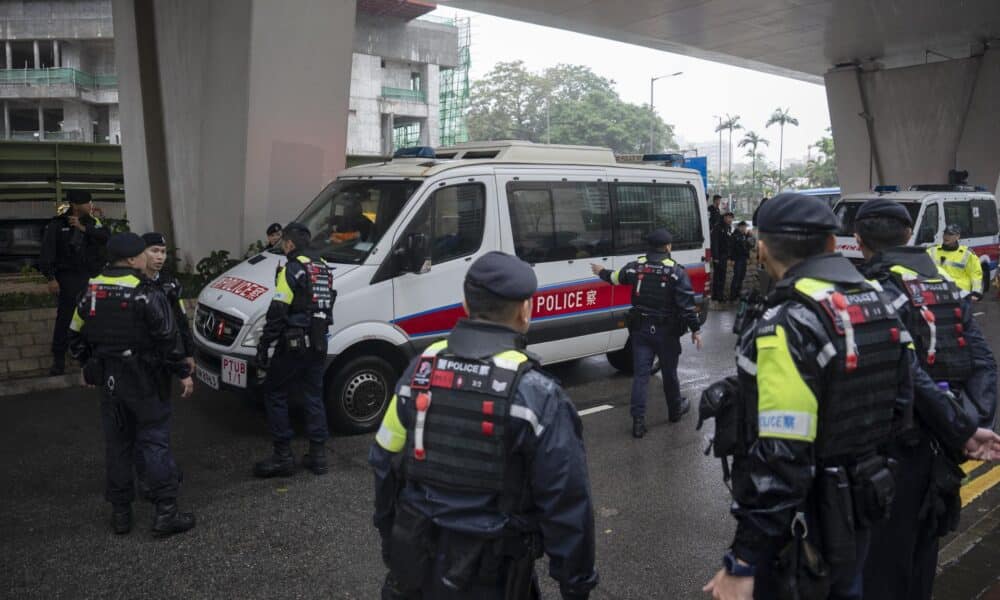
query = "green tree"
{"x": 730, "y": 123}
{"x": 781, "y": 117}
{"x": 753, "y": 140}
{"x": 566, "y": 104}
{"x": 822, "y": 170}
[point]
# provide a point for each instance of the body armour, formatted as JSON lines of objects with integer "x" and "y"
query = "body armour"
{"x": 654, "y": 286}
{"x": 936, "y": 322}
{"x": 314, "y": 308}
{"x": 114, "y": 319}
{"x": 461, "y": 436}
{"x": 857, "y": 412}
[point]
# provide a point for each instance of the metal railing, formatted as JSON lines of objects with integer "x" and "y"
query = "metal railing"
{"x": 58, "y": 136}
{"x": 57, "y": 76}
{"x": 404, "y": 94}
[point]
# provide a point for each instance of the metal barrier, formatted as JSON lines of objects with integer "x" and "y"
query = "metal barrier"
{"x": 404, "y": 94}
{"x": 57, "y": 76}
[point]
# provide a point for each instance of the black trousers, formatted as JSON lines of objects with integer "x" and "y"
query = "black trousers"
{"x": 71, "y": 285}
{"x": 135, "y": 416}
{"x": 904, "y": 550}
{"x": 739, "y": 272}
{"x": 719, "y": 279}
{"x": 305, "y": 371}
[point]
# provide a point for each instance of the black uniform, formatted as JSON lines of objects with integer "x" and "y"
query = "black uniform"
{"x": 70, "y": 257}
{"x": 174, "y": 291}
{"x": 741, "y": 245}
{"x": 124, "y": 333}
{"x": 662, "y": 311}
{"x": 823, "y": 383}
{"x": 721, "y": 249}
{"x": 903, "y": 558}
{"x": 480, "y": 467}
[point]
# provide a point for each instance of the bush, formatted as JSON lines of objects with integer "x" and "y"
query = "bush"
{"x": 26, "y": 300}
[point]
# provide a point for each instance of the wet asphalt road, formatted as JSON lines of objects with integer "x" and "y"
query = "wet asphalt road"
{"x": 661, "y": 509}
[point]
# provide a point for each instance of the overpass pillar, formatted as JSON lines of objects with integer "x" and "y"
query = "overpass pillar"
{"x": 233, "y": 113}
{"x": 912, "y": 125}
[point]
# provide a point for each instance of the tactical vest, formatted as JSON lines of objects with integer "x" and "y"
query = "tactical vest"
{"x": 935, "y": 319}
{"x": 319, "y": 297}
{"x": 654, "y": 285}
{"x": 113, "y": 319}
{"x": 461, "y": 436}
{"x": 857, "y": 412}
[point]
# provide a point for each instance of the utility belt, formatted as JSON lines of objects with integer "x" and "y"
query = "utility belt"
{"x": 298, "y": 339}
{"x": 416, "y": 543}
{"x": 295, "y": 340}
{"x": 942, "y": 504}
{"x": 138, "y": 362}
{"x": 636, "y": 318}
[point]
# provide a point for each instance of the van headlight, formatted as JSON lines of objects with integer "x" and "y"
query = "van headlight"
{"x": 253, "y": 337}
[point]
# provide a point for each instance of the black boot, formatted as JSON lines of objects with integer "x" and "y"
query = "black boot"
{"x": 315, "y": 461}
{"x": 638, "y": 427}
{"x": 169, "y": 520}
{"x": 121, "y": 518}
{"x": 58, "y": 365}
{"x": 281, "y": 463}
{"x": 682, "y": 410}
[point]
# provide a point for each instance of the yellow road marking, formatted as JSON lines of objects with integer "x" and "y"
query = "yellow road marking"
{"x": 971, "y": 465}
{"x": 979, "y": 485}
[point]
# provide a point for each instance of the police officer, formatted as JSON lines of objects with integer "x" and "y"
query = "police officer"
{"x": 298, "y": 320}
{"x": 662, "y": 310}
{"x": 273, "y": 235}
{"x": 72, "y": 251}
{"x": 823, "y": 380}
{"x": 479, "y": 462}
{"x": 951, "y": 349}
{"x": 124, "y": 335}
{"x": 959, "y": 262}
{"x": 156, "y": 257}
{"x": 721, "y": 237}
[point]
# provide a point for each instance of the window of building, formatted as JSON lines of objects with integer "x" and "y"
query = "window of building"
{"x": 560, "y": 221}
{"x": 453, "y": 219}
{"x": 640, "y": 208}
{"x": 415, "y": 82}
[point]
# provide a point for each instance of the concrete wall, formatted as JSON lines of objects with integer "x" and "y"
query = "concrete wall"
{"x": 924, "y": 121}
{"x": 364, "y": 124}
{"x": 406, "y": 41}
{"x": 59, "y": 19}
{"x": 79, "y": 117}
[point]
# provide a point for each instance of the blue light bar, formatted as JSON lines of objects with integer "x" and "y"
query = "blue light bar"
{"x": 882, "y": 189}
{"x": 414, "y": 152}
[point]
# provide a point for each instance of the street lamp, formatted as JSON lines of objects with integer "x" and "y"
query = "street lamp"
{"x": 652, "y": 112}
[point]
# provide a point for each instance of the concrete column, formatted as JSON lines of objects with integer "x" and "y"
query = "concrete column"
{"x": 8, "y": 49}
{"x": 41, "y": 123}
{"x": 38, "y": 56}
{"x": 56, "y": 58}
{"x": 6, "y": 120}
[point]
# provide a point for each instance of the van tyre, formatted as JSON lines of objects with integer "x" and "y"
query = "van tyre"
{"x": 358, "y": 394}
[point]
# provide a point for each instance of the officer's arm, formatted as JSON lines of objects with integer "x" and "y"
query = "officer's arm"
{"x": 78, "y": 347}
{"x": 684, "y": 298}
{"x": 946, "y": 419}
{"x": 159, "y": 319}
{"x": 96, "y": 231}
{"x": 623, "y": 276}
{"x": 975, "y": 270}
{"x": 50, "y": 242}
{"x": 275, "y": 321}
{"x": 772, "y": 482}
{"x": 183, "y": 325}
{"x": 560, "y": 487}
{"x": 982, "y": 385}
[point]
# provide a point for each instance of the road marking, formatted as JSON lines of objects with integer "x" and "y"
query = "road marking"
{"x": 978, "y": 486}
{"x": 595, "y": 409}
{"x": 978, "y": 314}
{"x": 696, "y": 379}
{"x": 971, "y": 465}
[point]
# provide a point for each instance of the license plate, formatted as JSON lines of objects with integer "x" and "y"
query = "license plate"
{"x": 234, "y": 371}
{"x": 207, "y": 377}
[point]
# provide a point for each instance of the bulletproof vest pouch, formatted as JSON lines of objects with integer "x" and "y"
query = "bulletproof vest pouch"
{"x": 318, "y": 302}
{"x": 113, "y": 319}
{"x": 654, "y": 286}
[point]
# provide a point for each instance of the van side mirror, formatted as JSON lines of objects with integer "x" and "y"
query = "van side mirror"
{"x": 413, "y": 254}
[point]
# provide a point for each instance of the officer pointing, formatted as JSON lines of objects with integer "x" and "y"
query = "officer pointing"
{"x": 493, "y": 466}
{"x": 124, "y": 334}
{"x": 823, "y": 375}
{"x": 662, "y": 310}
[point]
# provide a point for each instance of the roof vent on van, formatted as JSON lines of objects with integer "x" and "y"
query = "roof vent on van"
{"x": 481, "y": 154}
{"x": 519, "y": 151}
{"x": 941, "y": 187}
{"x": 885, "y": 189}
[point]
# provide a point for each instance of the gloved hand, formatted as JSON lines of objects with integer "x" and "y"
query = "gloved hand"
{"x": 263, "y": 360}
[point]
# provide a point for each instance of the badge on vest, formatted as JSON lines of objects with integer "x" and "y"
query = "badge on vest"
{"x": 421, "y": 379}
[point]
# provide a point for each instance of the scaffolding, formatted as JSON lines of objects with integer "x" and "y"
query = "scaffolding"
{"x": 406, "y": 135}
{"x": 454, "y": 93}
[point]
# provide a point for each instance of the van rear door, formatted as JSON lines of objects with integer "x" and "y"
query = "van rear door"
{"x": 560, "y": 224}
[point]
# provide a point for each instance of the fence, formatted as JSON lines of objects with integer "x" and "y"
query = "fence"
{"x": 404, "y": 94}
{"x": 57, "y": 76}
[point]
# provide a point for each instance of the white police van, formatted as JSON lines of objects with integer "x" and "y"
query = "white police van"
{"x": 933, "y": 207}
{"x": 401, "y": 235}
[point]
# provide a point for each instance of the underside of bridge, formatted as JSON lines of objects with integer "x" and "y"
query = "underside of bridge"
{"x": 911, "y": 87}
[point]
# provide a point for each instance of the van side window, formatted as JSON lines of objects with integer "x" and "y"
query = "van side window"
{"x": 984, "y": 217}
{"x": 559, "y": 221}
{"x": 642, "y": 207}
{"x": 928, "y": 226}
{"x": 453, "y": 219}
{"x": 957, "y": 213}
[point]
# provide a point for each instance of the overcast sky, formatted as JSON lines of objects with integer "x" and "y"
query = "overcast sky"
{"x": 688, "y": 101}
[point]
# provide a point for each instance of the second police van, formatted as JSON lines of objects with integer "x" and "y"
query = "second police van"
{"x": 932, "y": 208}
{"x": 401, "y": 235}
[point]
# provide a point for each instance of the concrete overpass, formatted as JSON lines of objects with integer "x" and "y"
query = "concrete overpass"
{"x": 911, "y": 85}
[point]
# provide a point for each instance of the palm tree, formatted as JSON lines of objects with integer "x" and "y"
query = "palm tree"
{"x": 730, "y": 123}
{"x": 753, "y": 140}
{"x": 782, "y": 117}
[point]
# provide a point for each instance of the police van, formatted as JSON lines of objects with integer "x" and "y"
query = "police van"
{"x": 401, "y": 234}
{"x": 932, "y": 208}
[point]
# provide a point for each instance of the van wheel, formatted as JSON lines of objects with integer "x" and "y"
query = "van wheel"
{"x": 359, "y": 393}
{"x": 622, "y": 360}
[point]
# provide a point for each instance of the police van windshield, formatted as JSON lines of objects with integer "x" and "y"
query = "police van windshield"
{"x": 846, "y": 212}
{"x": 349, "y": 217}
